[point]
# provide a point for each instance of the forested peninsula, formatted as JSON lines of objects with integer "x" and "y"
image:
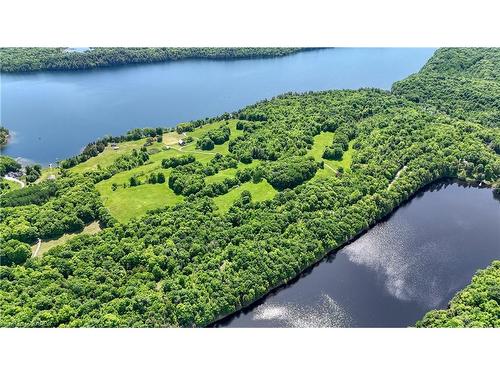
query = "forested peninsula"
{"x": 476, "y": 306}
{"x": 203, "y": 220}
{"x": 35, "y": 59}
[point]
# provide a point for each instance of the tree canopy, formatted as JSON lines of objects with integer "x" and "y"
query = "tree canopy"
{"x": 190, "y": 264}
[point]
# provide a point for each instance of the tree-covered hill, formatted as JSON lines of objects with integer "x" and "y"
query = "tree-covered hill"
{"x": 192, "y": 263}
{"x": 477, "y": 305}
{"x": 461, "y": 82}
{"x": 33, "y": 59}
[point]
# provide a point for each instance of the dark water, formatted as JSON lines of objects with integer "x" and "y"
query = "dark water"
{"x": 54, "y": 114}
{"x": 396, "y": 272}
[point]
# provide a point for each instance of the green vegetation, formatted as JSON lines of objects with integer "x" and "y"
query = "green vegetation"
{"x": 461, "y": 82}
{"x": 107, "y": 157}
{"x": 32, "y": 59}
{"x": 4, "y": 136}
{"x": 7, "y": 186}
{"x": 66, "y": 208}
{"x": 8, "y": 165}
{"x": 33, "y": 194}
{"x": 477, "y": 305}
{"x": 45, "y": 246}
{"x": 259, "y": 192}
{"x": 229, "y": 224}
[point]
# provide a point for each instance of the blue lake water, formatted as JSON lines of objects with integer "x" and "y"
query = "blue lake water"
{"x": 413, "y": 262}
{"x": 54, "y": 114}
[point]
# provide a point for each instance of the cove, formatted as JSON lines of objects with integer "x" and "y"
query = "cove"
{"x": 53, "y": 115}
{"x": 414, "y": 261}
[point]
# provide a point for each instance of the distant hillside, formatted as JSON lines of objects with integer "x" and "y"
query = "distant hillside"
{"x": 35, "y": 59}
{"x": 461, "y": 82}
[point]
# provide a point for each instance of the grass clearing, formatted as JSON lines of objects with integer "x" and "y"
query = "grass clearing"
{"x": 45, "y": 246}
{"x": 260, "y": 192}
{"x": 12, "y": 185}
{"x": 323, "y": 140}
{"x": 107, "y": 157}
{"x": 127, "y": 203}
{"x": 221, "y": 176}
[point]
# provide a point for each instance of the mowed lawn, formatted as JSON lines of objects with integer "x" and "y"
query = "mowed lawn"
{"x": 125, "y": 202}
{"x": 12, "y": 185}
{"x": 107, "y": 157}
{"x": 45, "y": 246}
{"x": 323, "y": 140}
{"x": 260, "y": 192}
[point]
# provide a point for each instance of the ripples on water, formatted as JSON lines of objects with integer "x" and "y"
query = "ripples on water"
{"x": 327, "y": 313}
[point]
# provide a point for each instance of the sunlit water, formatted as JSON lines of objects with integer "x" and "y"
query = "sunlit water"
{"x": 391, "y": 276}
{"x": 55, "y": 114}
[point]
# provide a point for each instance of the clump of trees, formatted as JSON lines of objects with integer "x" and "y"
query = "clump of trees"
{"x": 8, "y": 164}
{"x": 177, "y": 160}
{"x": 33, "y": 172}
{"x": 32, "y": 194}
{"x": 214, "y": 137}
{"x": 13, "y": 252}
{"x": 288, "y": 173}
{"x": 49, "y": 211}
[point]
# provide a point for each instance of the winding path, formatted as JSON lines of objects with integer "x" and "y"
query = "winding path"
{"x": 15, "y": 180}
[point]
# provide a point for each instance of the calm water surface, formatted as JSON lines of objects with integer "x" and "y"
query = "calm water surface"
{"x": 54, "y": 114}
{"x": 396, "y": 272}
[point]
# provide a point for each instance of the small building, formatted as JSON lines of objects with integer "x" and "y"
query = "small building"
{"x": 181, "y": 142}
{"x": 115, "y": 147}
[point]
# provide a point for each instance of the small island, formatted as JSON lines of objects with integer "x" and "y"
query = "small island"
{"x": 4, "y": 136}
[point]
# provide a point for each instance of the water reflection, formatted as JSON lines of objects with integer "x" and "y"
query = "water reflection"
{"x": 392, "y": 275}
{"x": 326, "y": 313}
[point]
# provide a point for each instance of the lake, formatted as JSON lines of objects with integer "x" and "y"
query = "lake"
{"x": 53, "y": 115}
{"x": 392, "y": 275}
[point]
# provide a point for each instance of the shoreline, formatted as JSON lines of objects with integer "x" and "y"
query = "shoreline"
{"x": 138, "y": 63}
{"x": 310, "y": 267}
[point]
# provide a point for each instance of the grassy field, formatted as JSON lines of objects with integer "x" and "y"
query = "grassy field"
{"x": 45, "y": 246}
{"x": 127, "y": 202}
{"x": 221, "y": 176}
{"x": 260, "y": 192}
{"x": 107, "y": 157}
{"x": 323, "y": 140}
{"x": 13, "y": 185}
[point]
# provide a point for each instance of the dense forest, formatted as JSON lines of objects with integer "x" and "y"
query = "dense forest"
{"x": 33, "y": 59}
{"x": 478, "y": 305}
{"x": 462, "y": 82}
{"x": 190, "y": 264}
